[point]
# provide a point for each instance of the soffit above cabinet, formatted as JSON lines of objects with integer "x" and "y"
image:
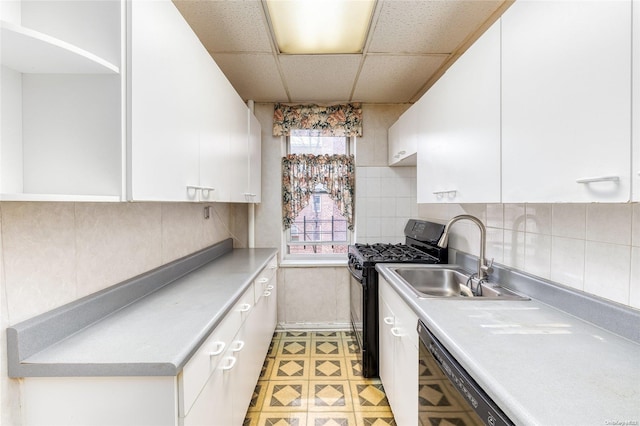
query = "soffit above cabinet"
{"x": 410, "y": 44}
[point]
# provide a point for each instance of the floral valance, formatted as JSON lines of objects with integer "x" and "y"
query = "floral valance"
{"x": 301, "y": 173}
{"x": 335, "y": 120}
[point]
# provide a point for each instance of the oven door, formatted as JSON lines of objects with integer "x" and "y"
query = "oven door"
{"x": 439, "y": 399}
{"x": 363, "y": 289}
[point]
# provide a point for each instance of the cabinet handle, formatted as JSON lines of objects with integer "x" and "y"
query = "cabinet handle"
{"x": 402, "y": 152}
{"x": 245, "y": 307}
{"x": 388, "y": 320}
{"x": 239, "y": 344}
{"x": 249, "y": 194}
{"x": 395, "y": 331}
{"x": 231, "y": 361}
{"x": 451, "y": 193}
{"x": 267, "y": 293}
{"x": 263, "y": 280}
{"x": 269, "y": 288}
{"x": 598, "y": 179}
{"x": 218, "y": 350}
{"x": 276, "y": 266}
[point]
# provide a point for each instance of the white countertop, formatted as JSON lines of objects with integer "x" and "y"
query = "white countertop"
{"x": 540, "y": 365}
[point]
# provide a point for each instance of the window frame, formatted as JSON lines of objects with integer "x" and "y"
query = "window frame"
{"x": 320, "y": 258}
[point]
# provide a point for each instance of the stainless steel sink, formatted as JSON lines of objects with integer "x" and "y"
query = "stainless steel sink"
{"x": 449, "y": 281}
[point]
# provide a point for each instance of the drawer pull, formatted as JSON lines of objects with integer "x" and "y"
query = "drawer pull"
{"x": 269, "y": 288}
{"x": 599, "y": 179}
{"x": 245, "y": 307}
{"x": 396, "y": 332}
{"x": 219, "y": 348}
{"x": 266, "y": 293}
{"x": 238, "y": 345}
{"x": 263, "y": 280}
{"x": 230, "y": 363}
{"x": 388, "y": 320}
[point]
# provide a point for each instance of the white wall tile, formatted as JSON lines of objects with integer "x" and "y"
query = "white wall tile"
{"x": 538, "y": 254}
{"x": 514, "y": 218}
{"x": 634, "y": 293}
{"x": 567, "y": 261}
{"x": 495, "y": 244}
{"x": 635, "y": 226}
{"x": 607, "y": 270}
{"x": 538, "y": 218}
{"x": 609, "y": 223}
{"x": 495, "y": 216}
{"x": 514, "y": 249}
{"x": 569, "y": 220}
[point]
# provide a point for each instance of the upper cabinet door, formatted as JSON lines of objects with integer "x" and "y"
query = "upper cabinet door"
{"x": 566, "y": 97}
{"x": 164, "y": 106}
{"x": 459, "y": 129}
{"x": 635, "y": 130}
{"x": 403, "y": 138}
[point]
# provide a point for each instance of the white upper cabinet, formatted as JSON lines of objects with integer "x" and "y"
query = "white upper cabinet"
{"x": 566, "y": 96}
{"x": 459, "y": 129}
{"x": 188, "y": 126}
{"x": 403, "y": 138}
{"x": 62, "y": 88}
{"x": 635, "y": 131}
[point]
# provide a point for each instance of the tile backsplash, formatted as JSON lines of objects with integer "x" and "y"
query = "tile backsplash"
{"x": 591, "y": 247}
{"x": 385, "y": 200}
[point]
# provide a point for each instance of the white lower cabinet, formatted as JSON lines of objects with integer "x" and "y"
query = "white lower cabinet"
{"x": 635, "y": 98}
{"x": 398, "y": 355}
{"x": 214, "y": 388}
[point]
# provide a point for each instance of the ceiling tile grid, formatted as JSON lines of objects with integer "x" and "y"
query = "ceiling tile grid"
{"x": 410, "y": 42}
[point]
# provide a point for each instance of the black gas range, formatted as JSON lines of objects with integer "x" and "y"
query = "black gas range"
{"x": 420, "y": 246}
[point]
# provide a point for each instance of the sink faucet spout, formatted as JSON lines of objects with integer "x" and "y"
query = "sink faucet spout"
{"x": 483, "y": 268}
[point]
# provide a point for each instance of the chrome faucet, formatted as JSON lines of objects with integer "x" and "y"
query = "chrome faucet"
{"x": 483, "y": 269}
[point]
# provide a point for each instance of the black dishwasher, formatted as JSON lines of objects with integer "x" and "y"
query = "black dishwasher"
{"x": 447, "y": 393}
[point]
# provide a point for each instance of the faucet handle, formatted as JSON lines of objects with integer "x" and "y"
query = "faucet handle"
{"x": 488, "y": 269}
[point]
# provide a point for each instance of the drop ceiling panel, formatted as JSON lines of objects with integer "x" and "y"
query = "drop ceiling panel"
{"x": 254, "y": 76}
{"x": 228, "y": 25}
{"x": 427, "y": 26}
{"x": 394, "y": 79}
{"x": 324, "y": 78}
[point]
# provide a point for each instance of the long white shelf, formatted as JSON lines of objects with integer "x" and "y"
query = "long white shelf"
{"x": 33, "y": 52}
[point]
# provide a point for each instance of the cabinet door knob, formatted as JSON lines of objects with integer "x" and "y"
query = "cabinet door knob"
{"x": 219, "y": 348}
{"x": 396, "y": 332}
{"x": 388, "y": 320}
{"x": 245, "y": 307}
{"x": 238, "y": 345}
{"x": 230, "y": 362}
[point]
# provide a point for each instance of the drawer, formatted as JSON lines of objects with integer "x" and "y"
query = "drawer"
{"x": 265, "y": 281}
{"x": 197, "y": 371}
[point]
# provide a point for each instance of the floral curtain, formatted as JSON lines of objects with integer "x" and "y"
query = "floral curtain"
{"x": 301, "y": 173}
{"x": 336, "y": 120}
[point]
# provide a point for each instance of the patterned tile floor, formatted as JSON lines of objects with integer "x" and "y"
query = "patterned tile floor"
{"x": 312, "y": 378}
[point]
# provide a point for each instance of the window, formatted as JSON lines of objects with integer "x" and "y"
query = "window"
{"x": 319, "y": 229}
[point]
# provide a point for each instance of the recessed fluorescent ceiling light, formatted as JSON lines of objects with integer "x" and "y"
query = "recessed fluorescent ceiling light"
{"x": 320, "y": 26}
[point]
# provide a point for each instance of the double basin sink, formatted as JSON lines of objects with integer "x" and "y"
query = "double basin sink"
{"x": 450, "y": 281}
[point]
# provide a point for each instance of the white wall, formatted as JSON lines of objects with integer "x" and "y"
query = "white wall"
{"x": 591, "y": 247}
{"x": 54, "y": 253}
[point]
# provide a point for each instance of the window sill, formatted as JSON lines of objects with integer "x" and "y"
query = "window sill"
{"x": 312, "y": 263}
